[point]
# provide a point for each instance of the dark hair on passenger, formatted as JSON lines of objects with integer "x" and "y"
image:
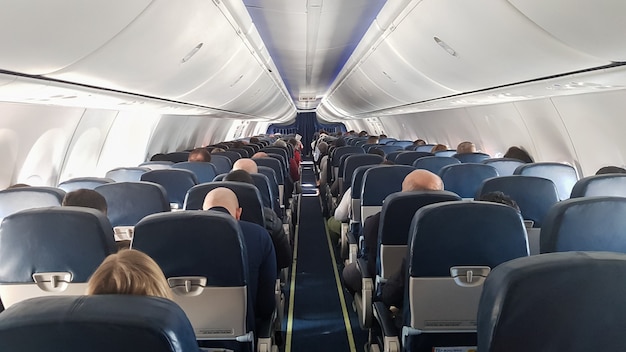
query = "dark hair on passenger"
{"x": 499, "y": 197}
{"x": 87, "y": 198}
{"x": 419, "y": 142}
{"x": 363, "y": 133}
{"x": 518, "y": 153}
{"x": 18, "y": 185}
{"x": 199, "y": 155}
{"x": 376, "y": 151}
{"x": 254, "y": 140}
{"x": 238, "y": 144}
{"x": 611, "y": 170}
{"x": 293, "y": 142}
{"x": 339, "y": 142}
{"x": 239, "y": 176}
{"x": 159, "y": 157}
{"x": 387, "y": 162}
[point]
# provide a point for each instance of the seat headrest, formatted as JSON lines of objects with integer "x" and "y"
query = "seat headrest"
{"x": 16, "y": 199}
{"x": 447, "y": 234}
{"x": 465, "y": 179}
{"x": 57, "y": 239}
{"x": 381, "y": 181}
{"x": 564, "y": 176}
{"x": 203, "y": 243}
{"x": 97, "y": 323}
{"x": 555, "y": 302}
{"x": 600, "y": 185}
{"x": 129, "y": 202}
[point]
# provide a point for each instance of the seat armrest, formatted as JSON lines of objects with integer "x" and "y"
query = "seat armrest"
{"x": 353, "y": 248}
{"x": 362, "y": 264}
{"x": 364, "y": 298}
{"x": 390, "y": 333}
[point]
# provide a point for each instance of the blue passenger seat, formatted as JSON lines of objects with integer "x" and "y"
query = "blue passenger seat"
{"x": 51, "y": 251}
{"x": 175, "y": 181}
{"x": 99, "y": 323}
{"x": 585, "y": 224}
{"x": 222, "y": 163}
{"x": 409, "y": 157}
{"x": 472, "y": 157}
{"x": 555, "y": 302}
{"x": 378, "y": 183}
{"x": 204, "y": 171}
{"x": 83, "y": 182}
{"x": 156, "y": 165}
{"x": 16, "y": 199}
{"x": 564, "y": 176}
{"x": 434, "y": 164}
{"x": 600, "y": 185}
{"x": 465, "y": 179}
{"x": 505, "y": 166}
{"x": 126, "y": 174}
{"x": 129, "y": 202}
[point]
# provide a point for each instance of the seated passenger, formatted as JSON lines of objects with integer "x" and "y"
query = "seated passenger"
{"x": 610, "y": 170}
{"x": 129, "y": 272}
{"x": 418, "y": 180}
{"x": 18, "y": 185}
{"x": 519, "y": 154}
{"x": 419, "y": 142}
{"x": 297, "y": 147}
{"x": 439, "y": 147}
{"x": 465, "y": 147}
{"x": 261, "y": 258}
{"x": 217, "y": 150}
{"x": 199, "y": 155}
{"x": 372, "y": 140}
{"x": 294, "y": 169}
{"x": 273, "y": 224}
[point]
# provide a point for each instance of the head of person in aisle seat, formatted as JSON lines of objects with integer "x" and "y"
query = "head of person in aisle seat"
{"x": 439, "y": 147}
{"x": 372, "y": 140}
{"x": 419, "y": 142}
{"x": 129, "y": 272}
{"x": 199, "y": 155}
{"x": 465, "y": 147}
{"x": 499, "y": 197}
{"x": 518, "y": 153}
{"x": 610, "y": 170}
{"x": 280, "y": 143}
{"x": 421, "y": 180}
{"x": 246, "y": 164}
{"x": 260, "y": 155}
{"x": 86, "y": 198}
{"x": 224, "y": 198}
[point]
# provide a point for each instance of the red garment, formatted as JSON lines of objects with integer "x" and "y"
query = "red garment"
{"x": 297, "y": 156}
{"x": 294, "y": 171}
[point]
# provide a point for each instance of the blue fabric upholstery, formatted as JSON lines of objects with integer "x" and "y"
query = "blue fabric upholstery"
{"x": 338, "y": 152}
{"x": 126, "y": 174}
{"x": 156, "y": 165}
{"x": 129, "y": 202}
{"x": 232, "y": 156}
{"x": 277, "y": 150}
{"x": 465, "y": 179}
{"x": 190, "y": 243}
{"x": 409, "y": 157}
{"x": 381, "y": 181}
{"x": 505, "y": 166}
{"x": 393, "y": 155}
{"x": 83, "y": 182}
{"x": 564, "y": 176}
{"x": 175, "y": 181}
{"x": 271, "y": 177}
{"x": 555, "y": 302}
{"x": 389, "y": 148}
{"x": 283, "y": 162}
{"x": 100, "y": 323}
{"x": 585, "y": 224}
{"x": 434, "y": 163}
{"x": 176, "y": 157}
{"x": 205, "y": 172}
{"x": 464, "y": 233}
{"x": 403, "y": 144}
{"x": 262, "y": 183}
{"x": 243, "y": 152}
{"x": 424, "y": 148}
{"x": 472, "y": 157}
{"x": 354, "y": 161}
{"x": 222, "y": 163}
{"x": 275, "y": 165}
{"x": 534, "y": 195}
{"x": 449, "y": 152}
{"x": 386, "y": 140}
{"x": 600, "y": 185}
{"x": 56, "y": 239}
{"x": 16, "y": 199}
{"x": 248, "y": 196}
{"x": 357, "y": 179}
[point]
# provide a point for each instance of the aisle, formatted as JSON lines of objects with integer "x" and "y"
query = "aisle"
{"x": 319, "y": 317}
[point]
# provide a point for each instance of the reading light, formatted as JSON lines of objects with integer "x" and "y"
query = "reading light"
{"x": 446, "y": 47}
{"x": 192, "y": 53}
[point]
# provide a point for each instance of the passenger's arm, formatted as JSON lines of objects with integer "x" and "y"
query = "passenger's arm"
{"x": 282, "y": 247}
{"x": 266, "y": 301}
{"x": 343, "y": 209}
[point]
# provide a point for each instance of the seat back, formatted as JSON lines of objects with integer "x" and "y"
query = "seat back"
{"x": 51, "y": 251}
{"x": 176, "y": 157}
{"x": 472, "y": 157}
{"x": 156, "y": 165}
{"x": 465, "y": 179}
{"x": 248, "y": 196}
{"x": 242, "y": 152}
{"x": 424, "y": 148}
{"x": 564, "y": 176}
{"x": 353, "y": 161}
{"x": 129, "y": 202}
{"x": 355, "y": 191}
{"x": 232, "y": 156}
{"x": 434, "y": 163}
{"x": 388, "y": 148}
{"x": 275, "y": 188}
{"x": 453, "y": 245}
{"x": 175, "y": 181}
{"x": 585, "y": 224}
{"x": 99, "y": 323}
{"x": 210, "y": 284}
{"x": 395, "y": 220}
{"x": 449, "y": 152}
{"x": 600, "y": 185}
{"x": 340, "y": 151}
{"x": 403, "y": 144}
{"x": 534, "y": 195}
{"x": 262, "y": 183}
{"x": 222, "y": 163}
{"x": 505, "y": 166}
{"x": 126, "y": 174}
{"x": 386, "y": 140}
{"x": 409, "y": 157}
{"x": 393, "y": 155}
{"x": 275, "y": 165}
{"x": 277, "y": 150}
{"x": 83, "y": 182}
{"x": 16, "y": 199}
{"x": 205, "y": 172}
{"x": 554, "y": 302}
{"x": 378, "y": 183}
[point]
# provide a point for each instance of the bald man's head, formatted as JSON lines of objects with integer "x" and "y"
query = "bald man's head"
{"x": 422, "y": 180}
{"x": 223, "y": 197}
{"x": 260, "y": 155}
{"x": 247, "y": 165}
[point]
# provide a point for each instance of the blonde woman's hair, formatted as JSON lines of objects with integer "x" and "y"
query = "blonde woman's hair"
{"x": 129, "y": 272}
